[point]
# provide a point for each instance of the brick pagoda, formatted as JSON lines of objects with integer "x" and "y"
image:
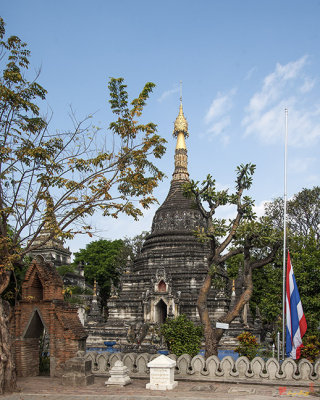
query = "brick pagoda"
{"x": 42, "y": 308}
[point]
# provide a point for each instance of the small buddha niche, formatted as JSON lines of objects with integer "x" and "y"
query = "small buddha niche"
{"x": 162, "y": 287}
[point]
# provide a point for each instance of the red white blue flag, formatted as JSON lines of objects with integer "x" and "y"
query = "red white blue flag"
{"x": 296, "y": 321}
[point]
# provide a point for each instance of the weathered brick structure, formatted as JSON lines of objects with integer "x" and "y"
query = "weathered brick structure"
{"x": 42, "y": 308}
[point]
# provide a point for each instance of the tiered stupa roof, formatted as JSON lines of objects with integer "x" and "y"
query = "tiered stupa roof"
{"x": 178, "y": 217}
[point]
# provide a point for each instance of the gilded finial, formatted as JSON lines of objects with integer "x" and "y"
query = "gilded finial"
{"x": 181, "y": 124}
{"x": 180, "y": 131}
{"x": 233, "y": 286}
{"x": 95, "y": 287}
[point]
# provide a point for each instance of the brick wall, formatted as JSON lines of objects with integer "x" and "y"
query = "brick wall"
{"x": 36, "y": 289}
{"x": 29, "y": 358}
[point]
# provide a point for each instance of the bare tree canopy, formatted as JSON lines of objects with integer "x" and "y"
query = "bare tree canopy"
{"x": 53, "y": 181}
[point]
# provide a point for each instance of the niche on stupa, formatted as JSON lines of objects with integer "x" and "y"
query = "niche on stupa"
{"x": 162, "y": 282}
{"x": 162, "y": 286}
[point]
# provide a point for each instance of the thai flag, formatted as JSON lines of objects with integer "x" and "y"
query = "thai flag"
{"x": 296, "y": 321}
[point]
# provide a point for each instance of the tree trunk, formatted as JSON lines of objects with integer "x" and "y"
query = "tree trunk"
{"x": 212, "y": 336}
{"x": 8, "y": 377}
{"x": 212, "y": 339}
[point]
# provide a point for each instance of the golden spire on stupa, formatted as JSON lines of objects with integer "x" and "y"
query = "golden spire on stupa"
{"x": 180, "y": 130}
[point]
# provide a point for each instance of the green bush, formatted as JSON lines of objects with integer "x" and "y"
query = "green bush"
{"x": 248, "y": 345}
{"x": 66, "y": 269}
{"x": 81, "y": 291}
{"x": 72, "y": 294}
{"x": 311, "y": 348}
{"x": 74, "y": 300}
{"x": 182, "y": 336}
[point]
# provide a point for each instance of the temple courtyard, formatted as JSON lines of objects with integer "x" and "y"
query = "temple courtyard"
{"x": 46, "y": 388}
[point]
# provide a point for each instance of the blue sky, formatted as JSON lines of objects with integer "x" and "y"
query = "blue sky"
{"x": 241, "y": 63}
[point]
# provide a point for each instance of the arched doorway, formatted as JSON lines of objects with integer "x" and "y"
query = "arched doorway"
{"x": 36, "y": 342}
{"x": 161, "y": 312}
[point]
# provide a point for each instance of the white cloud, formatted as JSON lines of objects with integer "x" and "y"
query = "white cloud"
{"x": 225, "y": 140}
{"x": 312, "y": 180}
{"x": 220, "y": 126}
{"x": 218, "y": 118}
{"x": 259, "y": 208}
{"x": 308, "y": 85}
{"x": 230, "y": 211}
{"x": 168, "y": 93}
{"x": 300, "y": 165}
{"x": 220, "y": 106}
{"x": 226, "y": 212}
{"x": 274, "y": 83}
{"x": 223, "y": 186}
{"x": 250, "y": 73}
{"x": 284, "y": 88}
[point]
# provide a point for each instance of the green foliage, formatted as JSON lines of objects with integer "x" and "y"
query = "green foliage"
{"x": 67, "y": 292}
{"x": 81, "y": 291}
{"x": 242, "y": 244}
{"x": 244, "y": 176}
{"x": 304, "y": 247}
{"x": 134, "y": 244}
{"x": 44, "y": 358}
{"x": 66, "y": 269}
{"x": 103, "y": 261}
{"x": 234, "y": 266}
{"x": 206, "y": 193}
{"x": 73, "y": 294}
{"x": 305, "y": 256}
{"x": 44, "y": 365}
{"x": 267, "y": 281}
{"x": 311, "y": 348}
{"x": 248, "y": 345}
{"x": 259, "y": 234}
{"x": 74, "y": 300}
{"x": 13, "y": 291}
{"x": 303, "y": 215}
{"x": 182, "y": 336}
{"x": 267, "y": 293}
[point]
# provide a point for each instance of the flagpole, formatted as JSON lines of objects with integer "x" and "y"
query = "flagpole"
{"x": 284, "y": 239}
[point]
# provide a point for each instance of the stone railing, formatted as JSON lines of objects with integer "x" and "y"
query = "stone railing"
{"x": 213, "y": 369}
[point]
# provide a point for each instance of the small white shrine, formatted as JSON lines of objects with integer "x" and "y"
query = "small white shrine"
{"x": 161, "y": 374}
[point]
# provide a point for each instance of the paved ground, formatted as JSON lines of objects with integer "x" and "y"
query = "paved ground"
{"x": 45, "y": 388}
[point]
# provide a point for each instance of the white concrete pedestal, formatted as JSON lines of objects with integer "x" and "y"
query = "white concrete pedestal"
{"x": 162, "y": 374}
{"x": 119, "y": 375}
